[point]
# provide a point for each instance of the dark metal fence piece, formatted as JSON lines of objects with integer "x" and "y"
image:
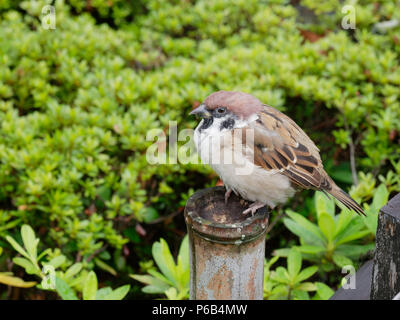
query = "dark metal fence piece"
{"x": 362, "y": 291}
{"x": 227, "y": 249}
{"x": 386, "y": 269}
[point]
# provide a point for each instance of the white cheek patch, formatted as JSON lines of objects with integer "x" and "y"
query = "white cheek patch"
{"x": 243, "y": 123}
{"x": 220, "y": 146}
{"x": 208, "y": 141}
{"x": 211, "y": 138}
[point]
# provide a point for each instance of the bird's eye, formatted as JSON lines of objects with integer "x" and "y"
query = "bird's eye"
{"x": 221, "y": 110}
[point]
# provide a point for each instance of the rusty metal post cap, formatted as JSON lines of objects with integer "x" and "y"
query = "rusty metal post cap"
{"x": 208, "y": 215}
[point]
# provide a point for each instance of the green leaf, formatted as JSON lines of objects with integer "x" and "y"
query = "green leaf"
{"x": 281, "y": 252}
{"x": 90, "y": 287}
{"x": 354, "y": 251}
{"x": 27, "y": 265}
{"x": 151, "y": 289}
{"x": 306, "y": 224}
{"x": 311, "y": 249}
{"x": 64, "y": 290}
{"x": 171, "y": 294}
{"x": 294, "y": 263}
{"x": 327, "y": 225}
{"x": 327, "y": 266}
{"x": 154, "y": 284}
{"x": 381, "y": 197}
{"x": 183, "y": 256}
{"x": 104, "y": 192}
{"x": 183, "y": 263}
{"x": 281, "y": 275}
{"x": 144, "y": 278}
{"x": 43, "y": 253}
{"x": 341, "y": 260}
{"x": 354, "y": 236}
{"x": 305, "y": 234}
{"x": 279, "y": 292}
{"x": 158, "y": 275}
{"x": 324, "y": 204}
{"x": 323, "y": 291}
{"x": 306, "y": 273}
{"x": 57, "y": 261}
{"x": 79, "y": 280}
{"x": 354, "y": 230}
{"x": 270, "y": 262}
{"x": 371, "y": 219}
{"x": 343, "y": 220}
{"x": 10, "y": 225}
{"x": 299, "y": 295}
{"x": 118, "y": 294}
{"x": 9, "y": 280}
{"x": 163, "y": 257}
{"x": 149, "y": 214}
{"x": 30, "y": 241}
{"x": 17, "y": 247}
{"x": 103, "y": 292}
{"x": 306, "y": 286}
{"x": 102, "y": 265}
{"x": 73, "y": 270}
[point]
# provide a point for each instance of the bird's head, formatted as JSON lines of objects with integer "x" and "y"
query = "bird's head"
{"x": 227, "y": 109}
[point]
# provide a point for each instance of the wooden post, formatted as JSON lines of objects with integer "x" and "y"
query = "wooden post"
{"x": 386, "y": 268}
{"x": 227, "y": 248}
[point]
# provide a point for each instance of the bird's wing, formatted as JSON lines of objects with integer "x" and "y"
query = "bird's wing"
{"x": 280, "y": 145}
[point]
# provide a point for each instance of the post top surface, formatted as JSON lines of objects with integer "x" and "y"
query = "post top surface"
{"x": 208, "y": 214}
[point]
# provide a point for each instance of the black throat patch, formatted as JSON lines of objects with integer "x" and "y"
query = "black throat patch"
{"x": 227, "y": 124}
{"x": 207, "y": 123}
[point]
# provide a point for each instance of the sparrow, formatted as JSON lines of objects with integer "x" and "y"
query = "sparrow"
{"x": 277, "y": 154}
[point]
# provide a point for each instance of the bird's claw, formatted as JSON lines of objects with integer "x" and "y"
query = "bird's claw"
{"x": 227, "y": 195}
{"x": 253, "y": 208}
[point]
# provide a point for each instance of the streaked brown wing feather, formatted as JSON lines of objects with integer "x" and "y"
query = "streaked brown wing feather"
{"x": 280, "y": 145}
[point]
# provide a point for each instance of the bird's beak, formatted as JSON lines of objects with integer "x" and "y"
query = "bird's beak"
{"x": 201, "y": 111}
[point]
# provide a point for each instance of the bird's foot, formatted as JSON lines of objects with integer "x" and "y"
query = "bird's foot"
{"x": 253, "y": 208}
{"x": 227, "y": 194}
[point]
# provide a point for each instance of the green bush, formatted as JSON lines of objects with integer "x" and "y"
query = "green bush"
{"x": 173, "y": 281}
{"x": 335, "y": 240}
{"x": 77, "y": 102}
{"x": 56, "y": 273}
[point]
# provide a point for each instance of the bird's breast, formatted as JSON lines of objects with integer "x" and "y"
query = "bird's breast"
{"x": 234, "y": 163}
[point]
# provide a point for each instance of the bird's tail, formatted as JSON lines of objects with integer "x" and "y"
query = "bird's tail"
{"x": 344, "y": 198}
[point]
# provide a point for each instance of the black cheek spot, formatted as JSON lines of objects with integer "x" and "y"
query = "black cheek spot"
{"x": 207, "y": 123}
{"x": 227, "y": 124}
